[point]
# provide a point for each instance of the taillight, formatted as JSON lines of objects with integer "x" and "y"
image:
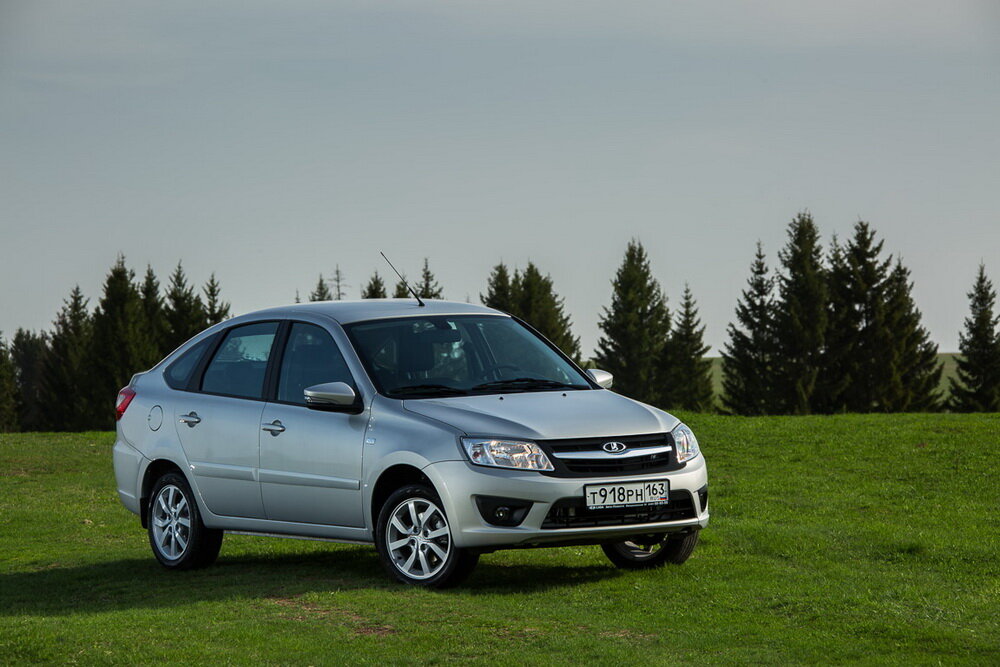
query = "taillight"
{"x": 125, "y": 397}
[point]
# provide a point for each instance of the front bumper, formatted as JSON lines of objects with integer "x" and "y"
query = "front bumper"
{"x": 459, "y": 482}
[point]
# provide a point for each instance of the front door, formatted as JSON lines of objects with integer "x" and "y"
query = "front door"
{"x": 310, "y": 460}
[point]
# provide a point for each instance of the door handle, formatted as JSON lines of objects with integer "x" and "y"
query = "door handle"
{"x": 191, "y": 419}
{"x": 274, "y": 428}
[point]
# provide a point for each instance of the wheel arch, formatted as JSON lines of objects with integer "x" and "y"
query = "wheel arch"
{"x": 156, "y": 469}
{"x": 392, "y": 478}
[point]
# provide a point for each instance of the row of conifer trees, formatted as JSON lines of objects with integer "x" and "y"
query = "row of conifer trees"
{"x": 838, "y": 331}
{"x": 65, "y": 379}
{"x": 831, "y": 330}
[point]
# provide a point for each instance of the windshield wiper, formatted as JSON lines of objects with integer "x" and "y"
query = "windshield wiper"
{"x": 526, "y": 384}
{"x": 431, "y": 389}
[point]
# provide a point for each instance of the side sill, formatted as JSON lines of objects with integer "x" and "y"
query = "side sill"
{"x": 337, "y": 540}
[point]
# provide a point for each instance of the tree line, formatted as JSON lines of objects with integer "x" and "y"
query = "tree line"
{"x": 831, "y": 330}
{"x": 838, "y": 331}
{"x": 65, "y": 379}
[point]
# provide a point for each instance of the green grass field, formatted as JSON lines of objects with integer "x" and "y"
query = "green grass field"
{"x": 833, "y": 539}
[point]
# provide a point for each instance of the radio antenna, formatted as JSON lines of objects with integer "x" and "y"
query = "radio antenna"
{"x": 412, "y": 291}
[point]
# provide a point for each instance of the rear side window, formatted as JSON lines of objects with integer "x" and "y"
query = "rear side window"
{"x": 311, "y": 357}
{"x": 239, "y": 365}
{"x": 178, "y": 374}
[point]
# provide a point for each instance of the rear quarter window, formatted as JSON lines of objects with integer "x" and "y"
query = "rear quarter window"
{"x": 178, "y": 373}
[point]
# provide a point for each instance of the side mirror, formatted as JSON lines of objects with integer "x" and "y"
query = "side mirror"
{"x": 602, "y": 378}
{"x": 333, "y": 396}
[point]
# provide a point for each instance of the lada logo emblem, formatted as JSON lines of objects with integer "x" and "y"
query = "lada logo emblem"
{"x": 614, "y": 447}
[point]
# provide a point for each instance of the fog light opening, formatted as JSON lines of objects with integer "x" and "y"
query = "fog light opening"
{"x": 508, "y": 512}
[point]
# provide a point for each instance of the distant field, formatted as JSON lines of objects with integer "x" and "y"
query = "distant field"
{"x": 950, "y": 368}
{"x": 947, "y": 360}
{"x": 868, "y": 539}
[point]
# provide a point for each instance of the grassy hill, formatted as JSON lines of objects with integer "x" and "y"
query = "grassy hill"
{"x": 833, "y": 539}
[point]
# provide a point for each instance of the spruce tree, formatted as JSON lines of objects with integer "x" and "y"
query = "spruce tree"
{"x": 321, "y": 292}
{"x": 918, "y": 369}
{"x": 69, "y": 397}
{"x": 28, "y": 351}
{"x": 184, "y": 311}
{"x": 499, "y": 290}
{"x": 375, "y": 289}
{"x": 339, "y": 284}
{"x": 8, "y": 391}
{"x": 748, "y": 358}
{"x": 843, "y": 324}
{"x": 120, "y": 345}
{"x": 537, "y": 303}
{"x": 401, "y": 291}
{"x": 976, "y": 387}
{"x": 216, "y": 310}
{"x": 686, "y": 375}
{"x": 154, "y": 312}
{"x": 861, "y": 364}
{"x": 800, "y": 318}
{"x": 428, "y": 287}
{"x": 635, "y": 328}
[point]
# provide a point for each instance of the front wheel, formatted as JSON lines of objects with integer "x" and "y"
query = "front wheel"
{"x": 179, "y": 539}
{"x": 414, "y": 540}
{"x": 648, "y": 551}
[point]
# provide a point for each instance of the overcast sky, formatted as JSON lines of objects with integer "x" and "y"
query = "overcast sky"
{"x": 270, "y": 141}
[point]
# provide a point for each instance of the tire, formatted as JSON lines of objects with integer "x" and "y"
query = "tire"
{"x": 649, "y": 551}
{"x": 414, "y": 540}
{"x": 179, "y": 539}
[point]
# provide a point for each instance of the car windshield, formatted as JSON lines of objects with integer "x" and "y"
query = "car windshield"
{"x": 460, "y": 355}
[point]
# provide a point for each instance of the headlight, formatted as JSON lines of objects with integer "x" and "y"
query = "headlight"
{"x": 686, "y": 443}
{"x": 506, "y": 454}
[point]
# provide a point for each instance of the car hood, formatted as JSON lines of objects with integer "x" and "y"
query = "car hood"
{"x": 546, "y": 415}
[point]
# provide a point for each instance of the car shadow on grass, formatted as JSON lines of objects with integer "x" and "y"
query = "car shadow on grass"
{"x": 141, "y": 583}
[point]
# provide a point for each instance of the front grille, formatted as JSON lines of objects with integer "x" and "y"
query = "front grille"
{"x": 573, "y": 513}
{"x": 607, "y": 466}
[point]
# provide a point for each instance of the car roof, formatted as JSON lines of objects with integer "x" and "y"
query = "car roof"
{"x": 346, "y": 312}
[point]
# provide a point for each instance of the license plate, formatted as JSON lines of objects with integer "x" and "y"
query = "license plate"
{"x": 655, "y": 492}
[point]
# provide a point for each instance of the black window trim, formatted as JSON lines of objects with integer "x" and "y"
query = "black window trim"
{"x": 198, "y": 376}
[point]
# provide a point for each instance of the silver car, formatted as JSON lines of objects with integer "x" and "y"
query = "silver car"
{"x": 438, "y": 432}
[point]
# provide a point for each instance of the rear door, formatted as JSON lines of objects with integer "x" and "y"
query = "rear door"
{"x": 219, "y": 422}
{"x": 310, "y": 460}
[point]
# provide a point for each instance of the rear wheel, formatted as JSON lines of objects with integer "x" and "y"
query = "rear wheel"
{"x": 414, "y": 540}
{"x": 648, "y": 551}
{"x": 179, "y": 539}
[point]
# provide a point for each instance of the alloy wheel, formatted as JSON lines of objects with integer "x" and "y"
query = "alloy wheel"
{"x": 171, "y": 522}
{"x": 418, "y": 538}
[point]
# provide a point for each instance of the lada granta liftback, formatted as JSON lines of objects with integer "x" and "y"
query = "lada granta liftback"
{"x": 437, "y": 432}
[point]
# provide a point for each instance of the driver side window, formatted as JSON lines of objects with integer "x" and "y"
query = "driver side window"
{"x": 311, "y": 357}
